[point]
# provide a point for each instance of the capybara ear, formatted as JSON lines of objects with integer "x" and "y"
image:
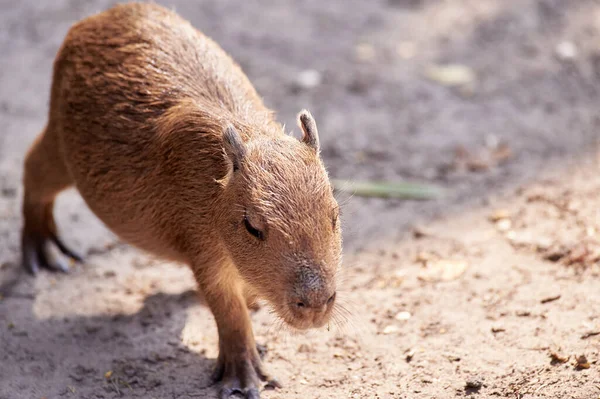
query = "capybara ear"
{"x": 309, "y": 129}
{"x": 234, "y": 146}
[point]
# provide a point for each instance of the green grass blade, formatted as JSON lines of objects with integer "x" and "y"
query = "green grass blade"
{"x": 380, "y": 189}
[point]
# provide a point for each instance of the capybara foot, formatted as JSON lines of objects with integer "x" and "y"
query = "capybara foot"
{"x": 37, "y": 253}
{"x": 242, "y": 375}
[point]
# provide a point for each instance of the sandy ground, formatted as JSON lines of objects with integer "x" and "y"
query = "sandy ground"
{"x": 490, "y": 291}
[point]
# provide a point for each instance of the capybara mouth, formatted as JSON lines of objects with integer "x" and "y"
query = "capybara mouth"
{"x": 305, "y": 324}
{"x": 304, "y": 319}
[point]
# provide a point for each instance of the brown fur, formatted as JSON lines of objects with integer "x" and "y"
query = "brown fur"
{"x": 170, "y": 146}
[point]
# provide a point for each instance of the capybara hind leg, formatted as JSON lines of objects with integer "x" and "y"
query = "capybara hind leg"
{"x": 45, "y": 176}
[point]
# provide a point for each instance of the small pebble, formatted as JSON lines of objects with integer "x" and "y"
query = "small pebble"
{"x": 364, "y": 52}
{"x": 503, "y": 224}
{"x": 566, "y": 50}
{"x": 403, "y": 316}
{"x": 309, "y": 79}
{"x": 473, "y": 384}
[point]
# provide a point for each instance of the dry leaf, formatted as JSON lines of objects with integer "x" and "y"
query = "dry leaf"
{"x": 557, "y": 358}
{"x": 443, "y": 270}
{"x": 482, "y": 159}
{"x": 530, "y": 239}
{"x": 108, "y": 374}
{"x": 582, "y": 363}
{"x": 424, "y": 257}
{"x": 304, "y": 348}
{"x": 590, "y": 334}
{"x": 502, "y": 153}
{"x": 478, "y": 164}
{"x": 550, "y": 299}
{"x": 421, "y": 231}
{"x": 396, "y": 279}
{"x": 499, "y": 214}
{"x": 578, "y": 254}
{"x": 450, "y": 75}
{"x": 390, "y": 330}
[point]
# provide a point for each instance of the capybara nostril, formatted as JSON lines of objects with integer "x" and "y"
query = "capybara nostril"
{"x": 312, "y": 310}
{"x": 314, "y": 302}
{"x": 331, "y": 298}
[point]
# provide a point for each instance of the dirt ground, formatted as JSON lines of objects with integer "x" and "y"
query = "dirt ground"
{"x": 490, "y": 291}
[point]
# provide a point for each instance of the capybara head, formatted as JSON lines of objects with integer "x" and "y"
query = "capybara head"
{"x": 281, "y": 223}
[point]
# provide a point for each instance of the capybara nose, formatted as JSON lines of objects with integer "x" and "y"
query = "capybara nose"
{"x": 315, "y": 303}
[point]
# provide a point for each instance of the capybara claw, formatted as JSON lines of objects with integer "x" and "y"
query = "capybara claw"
{"x": 252, "y": 393}
{"x": 248, "y": 393}
{"x": 273, "y": 383}
{"x": 36, "y": 254}
{"x": 66, "y": 250}
{"x": 226, "y": 393}
{"x": 242, "y": 376}
{"x": 31, "y": 260}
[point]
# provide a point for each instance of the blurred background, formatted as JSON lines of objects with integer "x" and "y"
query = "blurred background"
{"x": 433, "y": 90}
{"x": 495, "y": 101}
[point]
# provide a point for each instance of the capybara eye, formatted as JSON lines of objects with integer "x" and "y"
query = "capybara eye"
{"x": 254, "y": 231}
{"x": 334, "y": 220}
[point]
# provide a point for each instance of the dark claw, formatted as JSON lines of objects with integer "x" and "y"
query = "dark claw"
{"x": 56, "y": 265}
{"x": 273, "y": 384}
{"x": 30, "y": 260}
{"x": 42, "y": 257}
{"x": 66, "y": 250}
{"x": 59, "y": 265}
{"x": 227, "y": 392}
{"x": 36, "y": 256}
{"x": 242, "y": 375}
{"x": 262, "y": 350}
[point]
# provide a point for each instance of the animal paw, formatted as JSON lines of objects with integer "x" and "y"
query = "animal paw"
{"x": 242, "y": 375}
{"x": 36, "y": 251}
